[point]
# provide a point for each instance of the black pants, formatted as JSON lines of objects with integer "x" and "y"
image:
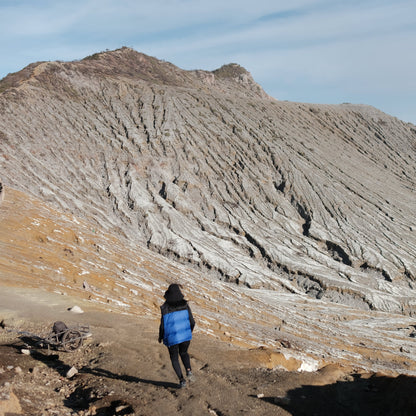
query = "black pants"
{"x": 180, "y": 350}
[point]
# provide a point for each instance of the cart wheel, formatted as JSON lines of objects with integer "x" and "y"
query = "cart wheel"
{"x": 72, "y": 340}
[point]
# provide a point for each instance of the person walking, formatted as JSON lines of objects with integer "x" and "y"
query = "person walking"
{"x": 175, "y": 330}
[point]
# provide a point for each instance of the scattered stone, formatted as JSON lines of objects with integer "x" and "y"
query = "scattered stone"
{"x": 18, "y": 370}
{"x": 121, "y": 408}
{"x": 284, "y": 343}
{"x": 282, "y": 400}
{"x": 71, "y": 372}
{"x": 104, "y": 344}
{"x": 76, "y": 309}
{"x": 260, "y": 395}
{"x": 25, "y": 351}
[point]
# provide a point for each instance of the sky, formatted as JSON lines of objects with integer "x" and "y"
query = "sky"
{"x": 315, "y": 51}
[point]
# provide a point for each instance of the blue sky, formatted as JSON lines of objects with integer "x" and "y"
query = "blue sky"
{"x": 318, "y": 51}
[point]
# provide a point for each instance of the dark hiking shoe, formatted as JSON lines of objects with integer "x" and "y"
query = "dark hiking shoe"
{"x": 190, "y": 376}
{"x": 182, "y": 383}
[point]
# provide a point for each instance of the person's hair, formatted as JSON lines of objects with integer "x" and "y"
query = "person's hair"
{"x": 173, "y": 295}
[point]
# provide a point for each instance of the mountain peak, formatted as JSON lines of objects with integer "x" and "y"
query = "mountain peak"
{"x": 128, "y": 63}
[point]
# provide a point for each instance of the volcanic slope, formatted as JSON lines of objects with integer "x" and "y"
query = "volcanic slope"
{"x": 54, "y": 259}
{"x": 207, "y": 169}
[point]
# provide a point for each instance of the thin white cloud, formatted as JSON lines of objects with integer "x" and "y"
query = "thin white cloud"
{"x": 26, "y": 19}
{"x": 307, "y": 30}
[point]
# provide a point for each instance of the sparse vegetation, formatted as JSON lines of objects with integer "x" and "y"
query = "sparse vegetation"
{"x": 232, "y": 70}
{"x": 93, "y": 57}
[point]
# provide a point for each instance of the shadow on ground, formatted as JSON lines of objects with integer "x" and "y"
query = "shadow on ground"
{"x": 373, "y": 396}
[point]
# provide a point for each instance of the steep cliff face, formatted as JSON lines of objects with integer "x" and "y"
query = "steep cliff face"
{"x": 205, "y": 168}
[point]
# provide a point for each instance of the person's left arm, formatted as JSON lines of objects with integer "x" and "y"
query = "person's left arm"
{"x": 191, "y": 318}
{"x": 161, "y": 329}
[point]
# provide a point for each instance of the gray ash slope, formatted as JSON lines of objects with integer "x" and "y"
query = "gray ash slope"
{"x": 206, "y": 168}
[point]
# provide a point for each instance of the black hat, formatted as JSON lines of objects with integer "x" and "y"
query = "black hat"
{"x": 173, "y": 294}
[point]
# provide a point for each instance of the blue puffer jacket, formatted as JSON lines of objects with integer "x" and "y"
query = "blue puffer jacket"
{"x": 177, "y": 327}
{"x": 176, "y": 324}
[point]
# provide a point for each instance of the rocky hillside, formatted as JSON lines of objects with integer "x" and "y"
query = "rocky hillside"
{"x": 207, "y": 170}
{"x": 45, "y": 249}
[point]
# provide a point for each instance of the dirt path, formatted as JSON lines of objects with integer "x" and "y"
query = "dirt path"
{"x": 122, "y": 370}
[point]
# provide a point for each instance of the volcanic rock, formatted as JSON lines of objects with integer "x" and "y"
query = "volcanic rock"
{"x": 207, "y": 169}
